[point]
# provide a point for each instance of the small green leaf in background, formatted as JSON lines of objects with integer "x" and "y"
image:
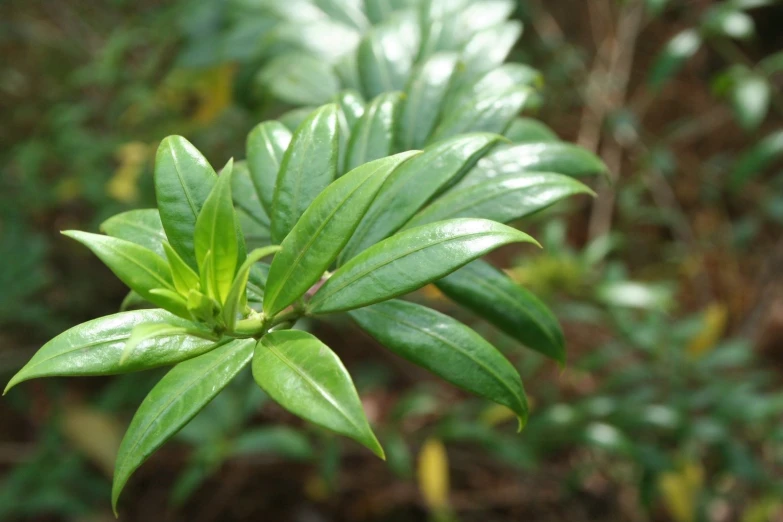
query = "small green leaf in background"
{"x": 528, "y": 130}
{"x": 142, "y": 227}
{"x": 300, "y": 79}
{"x": 95, "y": 347}
{"x": 247, "y": 202}
{"x": 385, "y": 57}
{"x": 139, "y": 268}
{"x": 423, "y": 100}
{"x": 215, "y": 232}
{"x": 183, "y": 180}
{"x": 492, "y": 295}
{"x": 274, "y": 440}
{"x": 410, "y": 260}
{"x": 673, "y": 56}
{"x": 373, "y": 135}
{"x": 309, "y": 165}
{"x": 305, "y": 377}
{"x": 266, "y": 144}
{"x": 447, "y": 348}
{"x": 323, "y": 230}
{"x": 755, "y": 160}
{"x": 173, "y": 402}
{"x": 415, "y": 183}
{"x": 488, "y": 48}
{"x": 750, "y": 98}
{"x": 503, "y": 198}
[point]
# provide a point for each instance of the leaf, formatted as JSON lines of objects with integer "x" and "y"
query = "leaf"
{"x": 352, "y": 105}
{"x": 139, "y": 268}
{"x": 433, "y": 476}
{"x": 95, "y": 347}
{"x": 305, "y": 377}
{"x": 144, "y": 332}
{"x": 410, "y": 260}
{"x": 216, "y": 233}
{"x": 142, "y": 227}
{"x": 185, "y": 279}
{"x": 246, "y": 199}
{"x": 373, "y": 135}
{"x": 183, "y": 180}
{"x": 266, "y": 144}
{"x": 558, "y": 157}
{"x": 385, "y": 57}
{"x": 299, "y": 78}
{"x": 755, "y": 160}
{"x": 500, "y": 79}
{"x": 309, "y": 165}
{"x": 493, "y": 296}
{"x": 423, "y": 100}
{"x": 274, "y": 440}
{"x": 415, "y": 183}
{"x": 447, "y": 348}
{"x": 528, "y": 130}
{"x": 348, "y": 12}
{"x": 750, "y": 99}
{"x": 173, "y": 402}
{"x": 503, "y": 198}
{"x": 237, "y": 296}
{"x": 323, "y": 231}
{"x": 293, "y": 118}
{"x": 488, "y": 113}
{"x": 673, "y": 56}
{"x": 172, "y": 301}
{"x": 489, "y": 48}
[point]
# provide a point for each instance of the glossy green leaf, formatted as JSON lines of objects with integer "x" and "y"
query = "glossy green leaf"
{"x": 423, "y": 100}
{"x": 305, "y": 377}
{"x": 183, "y": 276}
{"x": 385, "y": 57}
{"x": 300, "y": 79}
{"x": 138, "y": 267}
{"x": 502, "y": 198}
{"x": 528, "y": 130}
{"x": 352, "y": 105}
{"x": 373, "y": 135}
{"x": 415, "y": 183}
{"x": 173, "y": 402}
{"x": 558, "y": 157}
{"x": 245, "y": 196}
{"x": 323, "y": 231}
{"x": 183, "y": 180}
{"x": 450, "y": 31}
{"x": 145, "y": 332}
{"x": 95, "y": 347}
{"x": 308, "y": 166}
{"x": 266, "y": 144}
{"x": 410, "y": 260}
{"x": 492, "y": 295}
{"x": 492, "y": 112}
{"x": 292, "y": 119}
{"x": 447, "y": 348}
{"x": 216, "y": 233}
{"x": 172, "y": 301}
{"x": 237, "y": 296}
{"x": 142, "y": 227}
{"x": 502, "y": 78}
{"x": 673, "y": 56}
{"x": 750, "y": 99}
{"x": 756, "y": 159}
{"x": 488, "y": 48}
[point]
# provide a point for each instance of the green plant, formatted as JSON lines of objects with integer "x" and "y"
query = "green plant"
{"x": 219, "y": 307}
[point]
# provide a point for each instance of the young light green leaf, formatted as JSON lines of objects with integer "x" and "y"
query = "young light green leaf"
{"x": 423, "y": 100}
{"x": 673, "y": 57}
{"x": 323, "y": 230}
{"x": 415, "y": 183}
{"x": 558, "y": 157}
{"x": 183, "y": 276}
{"x": 173, "y": 402}
{"x": 503, "y": 198}
{"x": 138, "y": 267}
{"x": 201, "y": 307}
{"x": 410, "y": 260}
{"x": 305, "y": 377}
{"x": 183, "y": 180}
{"x": 447, "y": 348}
{"x": 171, "y": 301}
{"x": 309, "y": 165}
{"x": 266, "y": 144}
{"x": 528, "y": 130}
{"x": 142, "y": 227}
{"x": 237, "y": 296}
{"x": 385, "y": 56}
{"x": 373, "y": 135}
{"x": 492, "y": 295}
{"x": 95, "y": 347}
{"x": 492, "y": 112}
{"x": 216, "y": 233}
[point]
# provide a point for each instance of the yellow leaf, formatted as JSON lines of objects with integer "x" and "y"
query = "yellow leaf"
{"x": 680, "y": 490}
{"x": 433, "y": 474}
{"x": 497, "y": 414}
{"x": 713, "y": 326}
{"x": 764, "y": 510}
{"x": 123, "y": 186}
{"x": 96, "y": 434}
{"x": 214, "y": 92}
